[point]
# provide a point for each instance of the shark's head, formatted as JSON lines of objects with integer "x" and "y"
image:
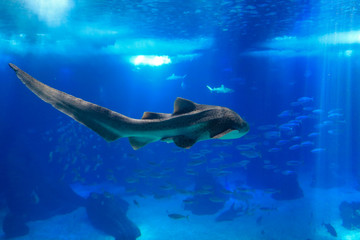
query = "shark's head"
{"x": 238, "y": 127}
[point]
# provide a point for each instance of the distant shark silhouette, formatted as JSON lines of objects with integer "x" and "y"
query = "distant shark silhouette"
{"x": 189, "y": 123}
{"x": 175, "y": 77}
{"x": 230, "y": 214}
{"x": 221, "y": 89}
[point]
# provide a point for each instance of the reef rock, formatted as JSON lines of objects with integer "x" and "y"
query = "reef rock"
{"x": 14, "y": 226}
{"x": 108, "y": 213}
{"x": 350, "y": 214}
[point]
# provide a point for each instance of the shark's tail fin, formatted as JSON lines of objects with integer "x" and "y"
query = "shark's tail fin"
{"x": 101, "y": 120}
{"x": 209, "y": 88}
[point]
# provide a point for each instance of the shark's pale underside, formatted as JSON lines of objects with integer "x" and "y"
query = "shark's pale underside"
{"x": 189, "y": 123}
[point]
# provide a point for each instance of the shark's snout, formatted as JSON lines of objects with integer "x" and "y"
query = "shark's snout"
{"x": 245, "y": 128}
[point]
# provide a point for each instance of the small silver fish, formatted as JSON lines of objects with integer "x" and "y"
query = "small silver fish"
{"x": 274, "y": 149}
{"x": 318, "y": 150}
{"x": 295, "y": 147}
{"x": 303, "y": 100}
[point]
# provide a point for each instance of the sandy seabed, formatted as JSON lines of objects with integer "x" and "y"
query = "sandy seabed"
{"x": 300, "y": 219}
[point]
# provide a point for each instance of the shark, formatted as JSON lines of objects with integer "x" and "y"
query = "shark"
{"x": 221, "y": 89}
{"x": 230, "y": 214}
{"x": 189, "y": 123}
{"x": 175, "y": 77}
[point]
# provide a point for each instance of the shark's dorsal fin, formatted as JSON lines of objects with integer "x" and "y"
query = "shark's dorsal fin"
{"x": 153, "y": 115}
{"x": 183, "y": 105}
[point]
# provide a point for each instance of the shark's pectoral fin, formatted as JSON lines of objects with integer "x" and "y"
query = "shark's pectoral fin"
{"x": 167, "y": 139}
{"x": 184, "y": 141}
{"x": 217, "y": 134}
{"x": 139, "y": 142}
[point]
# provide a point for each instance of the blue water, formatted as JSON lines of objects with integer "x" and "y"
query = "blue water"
{"x": 292, "y": 68}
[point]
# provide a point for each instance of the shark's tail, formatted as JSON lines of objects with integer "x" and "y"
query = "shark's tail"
{"x": 211, "y": 90}
{"x": 103, "y": 121}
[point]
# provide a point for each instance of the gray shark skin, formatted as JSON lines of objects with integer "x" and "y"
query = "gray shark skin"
{"x": 189, "y": 123}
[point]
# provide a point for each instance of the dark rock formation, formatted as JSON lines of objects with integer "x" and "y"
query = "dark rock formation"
{"x": 14, "y": 226}
{"x": 108, "y": 213}
{"x": 37, "y": 201}
{"x": 32, "y": 195}
{"x": 350, "y": 214}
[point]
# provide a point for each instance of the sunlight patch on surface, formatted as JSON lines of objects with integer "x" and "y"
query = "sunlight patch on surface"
{"x": 100, "y": 32}
{"x": 152, "y": 46}
{"x": 151, "y": 60}
{"x": 53, "y": 12}
{"x": 111, "y": 41}
{"x": 351, "y": 37}
{"x": 336, "y": 38}
{"x": 337, "y": 43}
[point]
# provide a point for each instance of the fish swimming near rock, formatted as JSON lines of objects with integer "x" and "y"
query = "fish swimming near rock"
{"x": 330, "y": 229}
{"x": 189, "y": 123}
{"x": 221, "y": 89}
{"x": 177, "y": 216}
